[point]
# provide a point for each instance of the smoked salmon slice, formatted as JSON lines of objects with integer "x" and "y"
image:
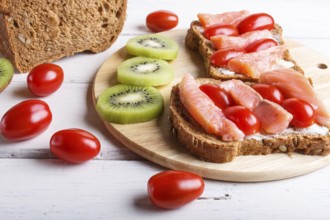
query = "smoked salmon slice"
{"x": 242, "y": 94}
{"x": 205, "y": 112}
{"x": 273, "y": 118}
{"x": 295, "y": 85}
{"x": 242, "y": 41}
{"x": 232, "y": 18}
{"x": 253, "y": 64}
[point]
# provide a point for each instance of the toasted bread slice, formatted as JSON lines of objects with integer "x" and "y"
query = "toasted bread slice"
{"x": 211, "y": 148}
{"x": 196, "y": 41}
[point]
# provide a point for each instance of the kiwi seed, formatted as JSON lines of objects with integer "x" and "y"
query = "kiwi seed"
{"x": 152, "y": 42}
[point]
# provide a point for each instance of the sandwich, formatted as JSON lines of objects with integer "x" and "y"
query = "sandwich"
{"x": 211, "y": 133}
{"x": 239, "y": 45}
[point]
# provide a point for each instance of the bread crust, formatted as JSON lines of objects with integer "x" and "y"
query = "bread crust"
{"x": 211, "y": 148}
{"x": 196, "y": 41}
{"x": 37, "y": 31}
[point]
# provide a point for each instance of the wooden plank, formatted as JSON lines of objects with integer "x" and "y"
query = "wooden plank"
{"x": 107, "y": 153}
{"x": 154, "y": 141}
{"x": 52, "y": 189}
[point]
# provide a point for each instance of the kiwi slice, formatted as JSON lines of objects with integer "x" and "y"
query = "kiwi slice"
{"x": 6, "y": 73}
{"x": 144, "y": 71}
{"x": 126, "y": 104}
{"x": 154, "y": 46}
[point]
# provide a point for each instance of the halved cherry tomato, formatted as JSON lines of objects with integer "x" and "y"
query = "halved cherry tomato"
{"x": 269, "y": 92}
{"x": 220, "y": 97}
{"x": 220, "y": 58}
{"x": 261, "y": 44}
{"x": 303, "y": 113}
{"x": 173, "y": 189}
{"x": 229, "y": 30}
{"x": 255, "y": 22}
{"x": 161, "y": 20}
{"x": 26, "y": 120}
{"x": 243, "y": 118}
{"x": 45, "y": 79}
{"x": 74, "y": 145}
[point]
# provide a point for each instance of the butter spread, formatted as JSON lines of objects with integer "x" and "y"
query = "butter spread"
{"x": 226, "y": 71}
{"x": 313, "y": 129}
{"x": 283, "y": 64}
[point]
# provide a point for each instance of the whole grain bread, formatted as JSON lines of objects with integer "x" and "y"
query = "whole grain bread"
{"x": 196, "y": 41}
{"x": 37, "y": 31}
{"x": 211, "y": 148}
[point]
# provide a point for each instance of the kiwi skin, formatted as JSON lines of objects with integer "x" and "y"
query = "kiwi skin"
{"x": 6, "y": 73}
{"x": 127, "y": 104}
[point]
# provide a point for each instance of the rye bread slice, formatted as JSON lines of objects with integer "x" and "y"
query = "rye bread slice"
{"x": 196, "y": 41}
{"x": 211, "y": 148}
{"x": 37, "y": 31}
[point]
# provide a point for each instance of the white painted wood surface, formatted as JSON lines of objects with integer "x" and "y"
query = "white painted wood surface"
{"x": 34, "y": 185}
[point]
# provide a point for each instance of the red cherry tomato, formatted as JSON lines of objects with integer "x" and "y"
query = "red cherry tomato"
{"x": 255, "y": 22}
{"x": 26, "y": 120}
{"x": 243, "y": 118}
{"x": 220, "y": 97}
{"x": 172, "y": 189}
{"x": 45, "y": 79}
{"x": 261, "y": 44}
{"x": 269, "y": 92}
{"x": 303, "y": 113}
{"x": 74, "y": 145}
{"x": 221, "y": 57}
{"x": 161, "y": 20}
{"x": 229, "y": 30}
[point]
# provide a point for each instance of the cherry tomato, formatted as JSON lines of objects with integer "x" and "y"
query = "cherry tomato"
{"x": 220, "y": 97}
{"x": 45, "y": 79}
{"x": 26, "y": 120}
{"x": 243, "y": 118}
{"x": 229, "y": 30}
{"x": 161, "y": 20}
{"x": 74, "y": 145}
{"x": 261, "y": 44}
{"x": 172, "y": 189}
{"x": 255, "y": 22}
{"x": 303, "y": 113}
{"x": 221, "y": 57}
{"x": 269, "y": 92}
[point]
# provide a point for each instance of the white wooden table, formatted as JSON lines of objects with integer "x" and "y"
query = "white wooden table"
{"x": 35, "y": 185}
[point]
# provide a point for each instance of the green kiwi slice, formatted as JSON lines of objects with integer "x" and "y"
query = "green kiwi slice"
{"x": 6, "y": 73}
{"x": 154, "y": 46}
{"x": 126, "y": 104}
{"x": 144, "y": 71}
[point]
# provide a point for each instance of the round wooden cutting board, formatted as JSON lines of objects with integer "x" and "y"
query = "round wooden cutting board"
{"x": 154, "y": 141}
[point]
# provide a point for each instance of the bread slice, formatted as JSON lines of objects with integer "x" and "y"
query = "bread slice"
{"x": 38, "y": 31}
{"x": 211, "y": 148}
{"x": 196, "y": 41}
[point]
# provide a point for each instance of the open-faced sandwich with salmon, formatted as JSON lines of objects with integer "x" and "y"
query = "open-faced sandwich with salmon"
{"x": 239, "y": 45}
{"x": 219, "y": 120}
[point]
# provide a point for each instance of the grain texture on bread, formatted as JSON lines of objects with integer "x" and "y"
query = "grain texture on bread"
{"x": 38, "y": 31}
{"x": 211, "y": 148}
{"x": 196, "y": 41}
